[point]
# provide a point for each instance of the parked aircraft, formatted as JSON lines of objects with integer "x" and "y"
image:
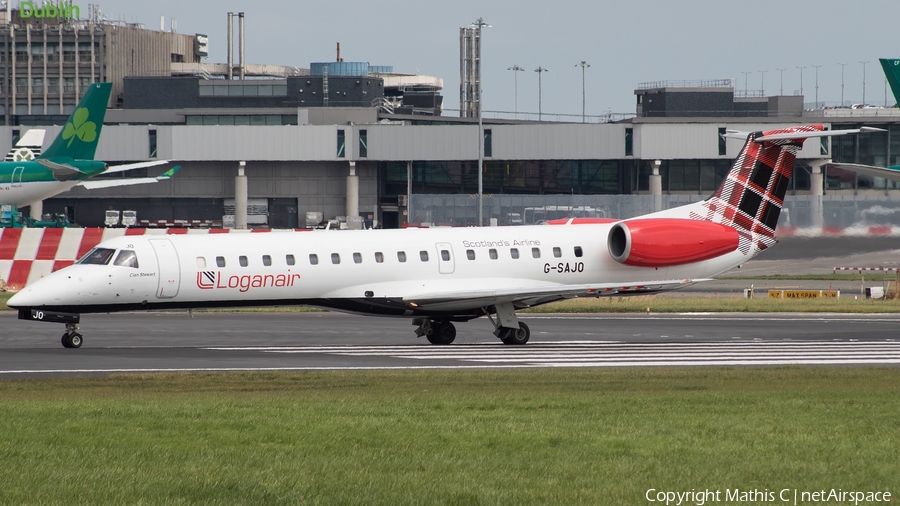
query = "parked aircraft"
{"x": 69, "y": 161}
{"x": 436, "y": 276}
{"x": 891, "y": 67}
{"x": 28, "y": 147}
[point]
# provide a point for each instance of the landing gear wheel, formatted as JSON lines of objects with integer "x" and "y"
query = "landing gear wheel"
{"x": 518, "y": 336}
{"x": 72, "y": 340}
{"x": 442, "y": 333}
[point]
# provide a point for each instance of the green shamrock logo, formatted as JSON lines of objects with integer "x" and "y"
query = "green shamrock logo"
{"x": 80, "y": 127}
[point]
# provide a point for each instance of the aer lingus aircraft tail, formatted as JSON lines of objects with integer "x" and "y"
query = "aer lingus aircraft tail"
{"x": 78, "y": 139}
{"x": 69, "y": 161}
{"x": 891, "y": 68}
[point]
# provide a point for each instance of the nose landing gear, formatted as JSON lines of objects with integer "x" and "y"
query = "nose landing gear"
{"x": 72, "y": 339}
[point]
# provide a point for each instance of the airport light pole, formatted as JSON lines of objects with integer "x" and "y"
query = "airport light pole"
{"x": 583, "y": 65}
{"x": 762, "y": 81}
{"x": 801, "y": 79}
{"x": 745, "y": 82}
{"x": 479, "y": 24}
{"x": 817, "y": 84}
{"x": 864, "y": 81}
{"x": 516, "y": 69}
{"x": 781, "y": 77}
{"x": 842, "y": 81}
{"x": 540, "y": 71}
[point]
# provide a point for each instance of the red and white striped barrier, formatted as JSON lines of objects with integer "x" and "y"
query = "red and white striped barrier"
{"x": 28, "y": 254}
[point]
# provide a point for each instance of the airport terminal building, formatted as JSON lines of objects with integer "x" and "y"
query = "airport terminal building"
{"x": 343, "y": 137}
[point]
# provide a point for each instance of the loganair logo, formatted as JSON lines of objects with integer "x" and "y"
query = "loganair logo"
{"x": 214, "y": 280}
{"x": 80, "y": 127}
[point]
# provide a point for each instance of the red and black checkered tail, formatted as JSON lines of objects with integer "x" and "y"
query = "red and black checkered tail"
{"x": 751, "y": 197}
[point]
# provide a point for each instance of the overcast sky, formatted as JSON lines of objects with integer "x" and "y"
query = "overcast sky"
{"x": 625, "y": 42}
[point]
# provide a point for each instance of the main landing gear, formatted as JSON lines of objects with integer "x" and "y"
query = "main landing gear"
{"x": 507, "y": 327}
{"x": 437, "y": 331}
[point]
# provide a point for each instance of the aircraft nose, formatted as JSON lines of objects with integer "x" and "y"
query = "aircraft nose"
{"x": 34, "y": 295}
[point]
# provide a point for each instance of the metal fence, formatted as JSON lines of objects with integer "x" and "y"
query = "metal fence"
{"x": 802, "y": 211}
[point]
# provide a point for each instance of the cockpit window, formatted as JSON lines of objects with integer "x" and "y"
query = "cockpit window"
{"x": 126, "y": 258}
{"x": 97, "y": 256}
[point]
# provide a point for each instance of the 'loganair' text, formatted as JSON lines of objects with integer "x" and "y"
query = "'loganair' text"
{"x": 209, "y": 280}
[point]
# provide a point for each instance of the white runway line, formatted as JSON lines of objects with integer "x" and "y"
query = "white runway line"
{"x": 621, "y": 354}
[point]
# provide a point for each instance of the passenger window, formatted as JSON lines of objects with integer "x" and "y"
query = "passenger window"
{"x": 492, "y": 253}
{"x": 557, "y": 252}
{"x": 335, "y": 258}
{"x": 423, "y": 255}
{"x": 243, "y": 261}
{"x": 536, "y": 252}
{"x": 220, "y": 261}
{"x": 289, "y": 259}
{"x": 470, "y": 254}
{"x": 201, "y": 263}
{"x": 578, "y": 251}
{"x": 97, "y": 256}
{"x": 357, "y": 258}
{"x": 267, "y": 260}
{"x": 445, "y": 255}
{"x": 401, "y": 256}
{"x": 313, "y": 259}
{"x": 126, "y": 258}
{"x": 514, "y": 253}
{"x": 379, "y": 257}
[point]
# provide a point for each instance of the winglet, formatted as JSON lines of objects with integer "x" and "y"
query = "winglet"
{"x": 169, "y": 173}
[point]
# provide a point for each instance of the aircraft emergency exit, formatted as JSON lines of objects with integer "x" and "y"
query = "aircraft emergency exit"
{"x": 436, "y": 276}
{"x": 69, "y": 161}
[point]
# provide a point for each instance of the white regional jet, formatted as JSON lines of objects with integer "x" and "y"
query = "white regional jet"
{"x": 435, "y": 276}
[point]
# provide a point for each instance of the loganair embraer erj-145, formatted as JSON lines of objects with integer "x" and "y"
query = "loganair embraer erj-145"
{"x": 435, "y": 276}
{"x": 69, "y": 161}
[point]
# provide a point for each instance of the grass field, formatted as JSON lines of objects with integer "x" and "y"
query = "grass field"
{"x": 446, "y": 437}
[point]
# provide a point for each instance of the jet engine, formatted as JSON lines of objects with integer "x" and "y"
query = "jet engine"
{"x": 663, "y": 242}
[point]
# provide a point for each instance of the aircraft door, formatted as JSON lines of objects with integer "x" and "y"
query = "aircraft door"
{"x": 17, "y": 174}
{"x": 446, "y": 263}
{"x": 169, "y": 268}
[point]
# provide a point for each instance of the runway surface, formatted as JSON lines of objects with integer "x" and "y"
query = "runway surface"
{"x": 158, "y": 342}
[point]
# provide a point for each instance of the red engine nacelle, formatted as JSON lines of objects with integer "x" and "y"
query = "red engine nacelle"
{"x": 661, "y": 242}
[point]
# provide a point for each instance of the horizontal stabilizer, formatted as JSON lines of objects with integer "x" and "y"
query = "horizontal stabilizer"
{"x": 822, "y": 133}
{"x": 109, "y": 183}
{"x": 61, "y": 171}
{"x": 738, "y": 134}
{"x": 891, "y": 173}
{"x": 132, "y": 166}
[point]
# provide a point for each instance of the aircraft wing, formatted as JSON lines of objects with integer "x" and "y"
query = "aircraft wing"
{"x": 531, "y": 296}
{"x": 892, "y": 173}
{"x": 109, "y": 183}
{"x": 61, "y": 171}
{"x": 132, "y": 166}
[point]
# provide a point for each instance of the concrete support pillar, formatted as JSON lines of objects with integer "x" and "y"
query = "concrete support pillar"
{"x": 240, "y": 197}
{"x": 656, "y": 186}
{"x": 817, "y": 190}
{"x": 352, "y": 192}
{"x": 36, "y": 209}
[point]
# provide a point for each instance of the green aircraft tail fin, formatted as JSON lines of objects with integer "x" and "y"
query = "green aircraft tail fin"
{"x": 78, "y": 139}
{"x": 891, "y": 68}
